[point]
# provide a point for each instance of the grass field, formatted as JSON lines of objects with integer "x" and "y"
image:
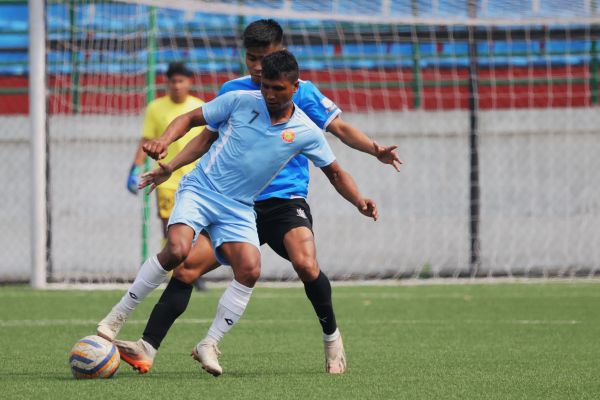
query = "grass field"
{"x": 501, "y": 341}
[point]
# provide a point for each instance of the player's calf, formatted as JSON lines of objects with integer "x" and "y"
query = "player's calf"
{"x": 306, "y": 268}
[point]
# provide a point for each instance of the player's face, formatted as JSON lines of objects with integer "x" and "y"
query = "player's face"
{"x": 179, "y": 87}
{"x": 278, "y": 93}
{"x": 254, "y": 56}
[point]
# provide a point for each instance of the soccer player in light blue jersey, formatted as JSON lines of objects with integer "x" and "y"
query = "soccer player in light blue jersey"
{"x": 259, "y": 133}
{"x": 283, "y": 216}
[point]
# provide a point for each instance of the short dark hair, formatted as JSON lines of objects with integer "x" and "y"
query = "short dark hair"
{"x": 280, "y": 63}
{"x": 262, "y": 33}
{"x": 178, "y": 68}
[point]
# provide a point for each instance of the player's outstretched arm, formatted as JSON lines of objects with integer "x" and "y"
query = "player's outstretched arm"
{"x": 181, "y": 125}
{"x": 355, "y": 138}
{"x": 155, "y": 177}
{"x": 192, "y": 151}
{"x": 344, "y": 184}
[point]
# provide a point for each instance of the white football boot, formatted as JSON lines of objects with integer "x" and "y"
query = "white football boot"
{"x": 110, "y": 326}
{"x": 335, "y": 356}
{"x": 207, "y": 353}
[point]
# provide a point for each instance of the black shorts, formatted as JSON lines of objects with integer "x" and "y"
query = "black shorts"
{"x": 276, "y": 217}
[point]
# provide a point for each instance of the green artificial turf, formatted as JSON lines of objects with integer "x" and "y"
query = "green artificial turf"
{"x": 499, "y": 341}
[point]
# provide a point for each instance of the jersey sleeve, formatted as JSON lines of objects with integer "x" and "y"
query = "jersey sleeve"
{"x": 150, "y": 128}
{"x": 219, "y": 109}
{"x": 225, "y": 88}
{"x": 319, "y": 108}
{"x": 318, "y": 150}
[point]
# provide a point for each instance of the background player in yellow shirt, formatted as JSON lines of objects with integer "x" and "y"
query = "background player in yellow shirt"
{"x": 159, "y": 114}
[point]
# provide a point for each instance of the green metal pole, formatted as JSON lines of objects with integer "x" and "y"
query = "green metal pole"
{"x": 474, "y": 181}
{"x": 594, "y": 72}
{"x": 150, "y": 95}
{"x": 240, "y": 28}
{"x": 416, "y": 67}
{"x": 74, "y": 57}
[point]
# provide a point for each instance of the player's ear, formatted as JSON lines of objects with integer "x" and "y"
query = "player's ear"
{"x": 296, "y": 86}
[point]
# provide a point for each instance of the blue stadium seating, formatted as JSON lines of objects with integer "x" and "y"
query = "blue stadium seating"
{"x": 133, "y": 18}
{"x": 13, "y": 18}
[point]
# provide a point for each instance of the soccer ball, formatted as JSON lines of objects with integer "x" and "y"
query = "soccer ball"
{"x": 94, "y": 357}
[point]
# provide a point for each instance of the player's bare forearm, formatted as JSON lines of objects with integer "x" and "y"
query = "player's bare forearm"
{"x": 181, "y": 125}
{"x": 195, "y": 149}
{"x": 351, "y": 136}
{"x": 355, "y": 138}
{"x": 346, "y": 187}
{"x": 192, "y": 151}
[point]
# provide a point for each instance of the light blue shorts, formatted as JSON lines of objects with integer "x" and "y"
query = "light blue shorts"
{"x": 225, "y": 219}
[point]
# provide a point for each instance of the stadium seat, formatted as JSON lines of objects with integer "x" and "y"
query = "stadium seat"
{"x": 13, "y": 17}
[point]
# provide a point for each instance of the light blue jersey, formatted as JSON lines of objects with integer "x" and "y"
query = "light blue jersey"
{"x": 293, "y": 179}
{"x": 250, "y": 151}
{"x": 219, "y": 193}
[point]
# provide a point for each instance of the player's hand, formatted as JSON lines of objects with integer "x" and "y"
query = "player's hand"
{"x": 157, "y": 149}
{"x": 133, "y": 179}
{"x": 155, "y": 177}
{"x": 388, "y": 155}
{"x": 368, "y": 207}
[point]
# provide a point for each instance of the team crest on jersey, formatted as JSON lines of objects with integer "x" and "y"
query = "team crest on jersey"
{"x": 327, "y": 104}
{"x": 288, "y": 136}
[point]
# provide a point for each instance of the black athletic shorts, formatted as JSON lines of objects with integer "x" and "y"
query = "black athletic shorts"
{"x": 276, "y": 217}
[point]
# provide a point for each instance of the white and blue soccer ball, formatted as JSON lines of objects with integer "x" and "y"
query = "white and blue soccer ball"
{"x": 94, "y": 357}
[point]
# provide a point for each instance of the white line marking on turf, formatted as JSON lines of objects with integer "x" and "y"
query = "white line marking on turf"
{"x": 220, "y": 284}
{"x": 67, "y": 322}
{"x": 192, "y": 321}
{"x": 366, "y": 295}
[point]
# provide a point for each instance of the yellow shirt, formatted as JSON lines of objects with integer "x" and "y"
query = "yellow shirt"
{"x": 159, "y": 114}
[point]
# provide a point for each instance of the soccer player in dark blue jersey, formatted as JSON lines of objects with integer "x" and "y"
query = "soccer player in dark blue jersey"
{"x": 283, "y": 221}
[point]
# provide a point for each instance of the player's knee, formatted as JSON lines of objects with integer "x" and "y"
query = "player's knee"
{"x": 306, "y": 267}
{"x": 247, "y": 273}
{"x": 178, "y": 251}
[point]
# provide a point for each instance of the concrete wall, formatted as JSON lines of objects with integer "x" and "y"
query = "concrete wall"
{"x": 540, "y": 197}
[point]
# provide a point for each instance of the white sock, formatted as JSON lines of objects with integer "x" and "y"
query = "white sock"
{"x": 150, "y": 275}
{"x": 332, "y": 337}
{"x": 231, "y": 307}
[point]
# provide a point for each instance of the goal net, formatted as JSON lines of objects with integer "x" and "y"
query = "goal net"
{"x": 494, "y": 106}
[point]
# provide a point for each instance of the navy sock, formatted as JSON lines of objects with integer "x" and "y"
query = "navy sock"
{"x": 319, "y": 294}
{"x": 170, "y": 306}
